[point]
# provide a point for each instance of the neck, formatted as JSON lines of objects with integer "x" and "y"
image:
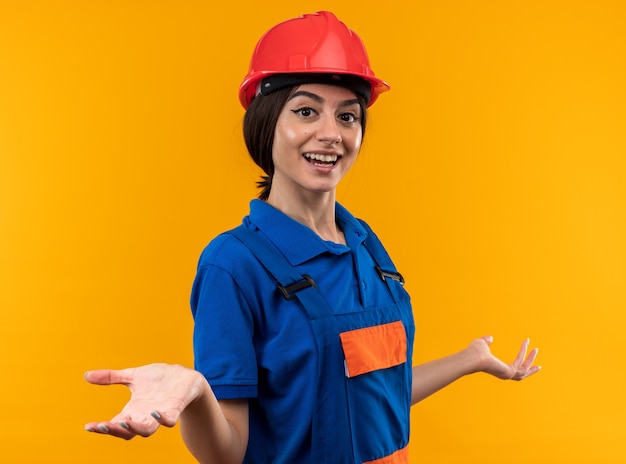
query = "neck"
{"x": 316, "y": 211}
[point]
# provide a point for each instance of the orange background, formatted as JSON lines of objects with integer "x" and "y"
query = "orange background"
{"x": 495, "y": 172}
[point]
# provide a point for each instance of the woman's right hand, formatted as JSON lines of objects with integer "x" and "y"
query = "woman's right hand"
{"x": 159, "y": 395}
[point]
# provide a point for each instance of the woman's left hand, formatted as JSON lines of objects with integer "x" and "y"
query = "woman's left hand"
{"x": 521, "y": 368}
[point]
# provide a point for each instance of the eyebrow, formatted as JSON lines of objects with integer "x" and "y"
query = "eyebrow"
{"x": 318, "y": 99}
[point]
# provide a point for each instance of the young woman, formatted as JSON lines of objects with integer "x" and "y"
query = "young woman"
{"x": 303, "y": 332}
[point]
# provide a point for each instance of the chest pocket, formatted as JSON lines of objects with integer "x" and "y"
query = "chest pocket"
{"x": 373, "y": 348}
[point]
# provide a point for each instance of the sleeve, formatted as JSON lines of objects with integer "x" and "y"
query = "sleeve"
{"x": 223, "y": 333}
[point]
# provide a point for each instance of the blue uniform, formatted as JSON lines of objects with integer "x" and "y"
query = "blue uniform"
{"x": 328, "y": 373}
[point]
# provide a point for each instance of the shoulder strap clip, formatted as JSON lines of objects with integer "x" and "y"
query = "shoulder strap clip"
{"x": 384, "y": 275}
{"x": 289, "y": 290}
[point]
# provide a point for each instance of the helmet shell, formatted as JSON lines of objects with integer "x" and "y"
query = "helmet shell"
{"x": 311, "y": 43}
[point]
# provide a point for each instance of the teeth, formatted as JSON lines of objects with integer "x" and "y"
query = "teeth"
{"x": 320, "y": 157}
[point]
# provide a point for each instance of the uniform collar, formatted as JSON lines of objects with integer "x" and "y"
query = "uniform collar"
{"x": 295, "y": 240}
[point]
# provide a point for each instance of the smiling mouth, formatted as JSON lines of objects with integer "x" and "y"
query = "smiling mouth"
{"x": 319, "y": 159}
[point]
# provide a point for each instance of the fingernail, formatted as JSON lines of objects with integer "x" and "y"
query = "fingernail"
{"x": 89, "y": 429}
{"x": 156, "y": 415}
{"x": 103, "y": 428}
{"x": 124, "y": 424}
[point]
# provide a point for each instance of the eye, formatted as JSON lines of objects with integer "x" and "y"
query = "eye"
{"x": 348, "y": 117}
{"x": 305, "y": 111}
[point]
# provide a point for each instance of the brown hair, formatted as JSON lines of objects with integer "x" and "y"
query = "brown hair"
{"x": 259, "y": 124}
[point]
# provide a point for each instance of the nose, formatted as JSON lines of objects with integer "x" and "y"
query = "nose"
{"x": 328, "y": 130}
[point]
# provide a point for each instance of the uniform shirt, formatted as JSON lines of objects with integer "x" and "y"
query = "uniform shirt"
{"x": 250, "y": 342}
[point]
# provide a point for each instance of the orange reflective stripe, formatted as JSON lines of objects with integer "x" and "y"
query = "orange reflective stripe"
{"x": 373, "y": 348}
{"x": 399, "y": 457}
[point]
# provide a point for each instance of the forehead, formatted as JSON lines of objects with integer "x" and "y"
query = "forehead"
{"x": 325, "y": 92}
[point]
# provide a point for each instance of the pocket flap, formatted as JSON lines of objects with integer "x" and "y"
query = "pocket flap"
{"x": 373, "y": 348}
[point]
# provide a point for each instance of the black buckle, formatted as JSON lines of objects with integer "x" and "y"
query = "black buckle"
{"x": 390, "y": 275}
{"x": 290, "y": 289}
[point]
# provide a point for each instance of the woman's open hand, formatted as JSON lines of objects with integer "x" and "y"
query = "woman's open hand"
{"x": 159, "y": 394}
{"x": 521, "y": 368}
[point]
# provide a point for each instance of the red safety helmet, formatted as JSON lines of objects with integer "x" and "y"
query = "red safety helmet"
{"x": 311, "y": 44}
